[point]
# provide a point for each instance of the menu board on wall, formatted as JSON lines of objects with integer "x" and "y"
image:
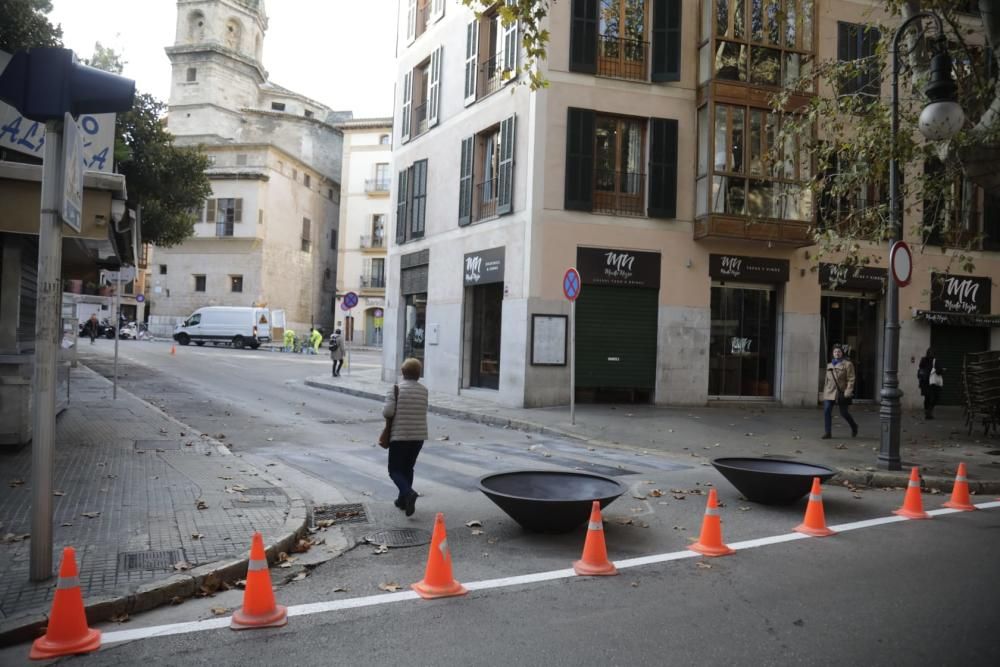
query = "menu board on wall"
{"x": 548, "y": 340}
{"x": 960, "y": 294}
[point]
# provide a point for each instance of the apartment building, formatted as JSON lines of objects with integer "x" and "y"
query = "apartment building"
{"x": 267, "y": 234}
{"x": 644, "y": 165}
{"x": 365, "y": 208}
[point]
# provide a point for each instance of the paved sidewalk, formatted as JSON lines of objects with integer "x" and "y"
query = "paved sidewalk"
{"x": 753, "y": 430}
{"x": 154, "y": 510}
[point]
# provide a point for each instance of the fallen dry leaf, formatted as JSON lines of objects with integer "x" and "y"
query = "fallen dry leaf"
{"x": 176, "y": 600}
{"x": 66, "y": 525}
{"x": 302, "y": 546}
{"x": 339, "y": 589}
{"x": 299, "y": 577}
{"x": 241, "y": 583}
{"x": 15, "y": 482}
{"x": 474, "y": 524}
{"x": 91, "y": 515}
{"x": 381, "y": 549}
{"x": 182, "y": 566}
{"x": 476, "y": 531}
{"x": 196, "y": 536}
{"x": 390, "y": 586}
{"x": 58, "y": 493}
{"x": 324, "y": 523}
{"x": 10, "y": 538}
{"x": 120, "y": 618}
{"x": 656, "y": 493}
{"x": 703, "y": 565}
{"x": 744, "y": 508}
{"x": 220, "y": 611}
{"x": 200, "y": 504}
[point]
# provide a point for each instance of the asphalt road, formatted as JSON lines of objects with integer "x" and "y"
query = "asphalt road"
{"x": 903, "y": 593}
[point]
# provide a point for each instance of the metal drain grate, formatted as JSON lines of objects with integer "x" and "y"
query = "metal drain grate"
{"x": 263, "y": 491}
{"x": 149, "y": 560}
{"x": 153, "y": 445}
{"x": 348, "y": 513}
{"x": 400, "y": 537}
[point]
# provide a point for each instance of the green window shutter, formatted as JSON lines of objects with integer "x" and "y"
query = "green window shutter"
{"x": 404, "y": 131}
{"x": 471, "y": 60}
{"x": 510, "y": 47}
{"x": 401, "y": 197}
{"x": 210, "y": 210}
{"x": 505, "y": 189}
{"x": 579, "y": 160}
{"x": 666, "y": 40}
{"x": 465, "y": 182}
{"x": 434, "y": 94}
{"x": 662, "y": 168}
{"x": 583, "y": 37}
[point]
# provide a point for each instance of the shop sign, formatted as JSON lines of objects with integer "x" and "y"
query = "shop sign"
{"x": 618, "y": 268}
{"x": 960, "y": 294}
{"x": 484, "y": 267}
{"x": 748, "y": 269}
{"x": 864, "y": 278}
{"x": 957, "y": 319}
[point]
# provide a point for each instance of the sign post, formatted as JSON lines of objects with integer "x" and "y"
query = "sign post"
{"x": 571, "y": 289}
{"x": 350, "y": 301}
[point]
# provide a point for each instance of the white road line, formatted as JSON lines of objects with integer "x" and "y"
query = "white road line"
{"x": 503, "y": 582}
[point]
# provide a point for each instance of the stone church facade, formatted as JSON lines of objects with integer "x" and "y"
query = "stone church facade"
{"x": 268, "y": 234}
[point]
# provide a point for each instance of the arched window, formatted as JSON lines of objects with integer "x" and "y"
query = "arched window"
{"x": 234, "y": 34}
{"x": 196, "y": 27}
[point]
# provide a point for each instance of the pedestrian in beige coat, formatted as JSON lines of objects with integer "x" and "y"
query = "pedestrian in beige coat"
{"x": 838, "y": 389}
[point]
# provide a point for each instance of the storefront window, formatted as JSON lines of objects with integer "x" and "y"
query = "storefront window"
{"x": 852, "y": 323}
{"x": 415, "y": 318}
{"x": 742, "y": 342}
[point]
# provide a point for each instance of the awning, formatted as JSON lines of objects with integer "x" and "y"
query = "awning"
{"x": 957, "y": 319}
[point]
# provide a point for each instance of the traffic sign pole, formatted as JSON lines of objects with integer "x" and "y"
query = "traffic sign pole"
{"x": 48, "y": 330}
{"x": 572, "y": 362}
{"x": 347, "y": 342}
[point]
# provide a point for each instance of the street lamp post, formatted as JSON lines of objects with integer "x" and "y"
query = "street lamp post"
{"x": 941, "y": 119}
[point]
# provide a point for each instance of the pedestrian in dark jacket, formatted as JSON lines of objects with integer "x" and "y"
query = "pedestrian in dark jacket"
{"x": 92, "y": 327}
{"x": 930, "y": 377}
{"x": 408, "y": 413}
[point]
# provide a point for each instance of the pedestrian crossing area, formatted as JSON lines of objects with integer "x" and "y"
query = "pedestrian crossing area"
{"x": 458, "y": 466}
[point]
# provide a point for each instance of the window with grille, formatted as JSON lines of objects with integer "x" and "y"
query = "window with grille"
{"x": 306, "y": 235}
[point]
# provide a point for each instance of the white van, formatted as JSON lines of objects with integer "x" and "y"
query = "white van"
{"x": 238, "y": 326}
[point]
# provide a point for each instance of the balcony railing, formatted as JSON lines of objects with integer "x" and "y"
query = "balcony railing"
{"x": 491, "y": 76}
{"x": 373, "y": 281}
{"x": 377, "y": 184}
{"x": 419, "y": 119}
{"x": 622, "y": 58}
{"x": 369, "y": 241}
{"x": 485, "y": 200}
{"x": 619, "y": 192}
{"x": 224, "y": 228}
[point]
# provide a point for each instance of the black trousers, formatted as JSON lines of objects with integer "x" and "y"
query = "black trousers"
{"x": 402, "y": 457}
{"x": 932, "y": 394}
{"x": 337, "y": 365}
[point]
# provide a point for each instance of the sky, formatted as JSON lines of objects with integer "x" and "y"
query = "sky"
{"x": 338, "y": 52}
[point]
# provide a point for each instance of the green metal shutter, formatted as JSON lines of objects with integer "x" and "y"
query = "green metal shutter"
{"x": 616, "y": 337}
{"x": 951, "y": 344}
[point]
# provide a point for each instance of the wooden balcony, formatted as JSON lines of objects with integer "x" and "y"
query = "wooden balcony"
{"x": 735, "y": 228}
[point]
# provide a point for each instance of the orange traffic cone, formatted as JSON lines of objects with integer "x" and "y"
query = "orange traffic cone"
{"x": 815, "y": 521}
{"x": 595, "y": 554}
{"x": 67, "y": 633}
{"x": 173, "y": 350}
{"x": 710, "y": 541}
{"x": 913, "y": 505}
{"x": 960, "y": 493}
{"x": 438, "y": 581}
{"x": 259, "y": 609}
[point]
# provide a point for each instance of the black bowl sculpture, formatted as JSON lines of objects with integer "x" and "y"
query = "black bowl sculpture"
{"x": 549, "y": 501}
{"x": 771, "y": 481}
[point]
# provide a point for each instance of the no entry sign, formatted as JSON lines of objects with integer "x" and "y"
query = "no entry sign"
{"x": 901, "y": 263}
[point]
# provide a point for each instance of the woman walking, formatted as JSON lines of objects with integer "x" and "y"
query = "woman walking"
{"x": 839, "y": 389}
{"x": 406, "y": 406}
{"x": 931, "y": 379}
{"x": 336, "y": 352}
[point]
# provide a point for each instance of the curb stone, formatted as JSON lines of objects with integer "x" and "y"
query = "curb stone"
{"x": 869, "y": 478}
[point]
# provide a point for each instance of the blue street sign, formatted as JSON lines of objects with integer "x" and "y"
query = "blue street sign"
{"x": 571, "y": 284}
{"x": 350, "y": 300}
